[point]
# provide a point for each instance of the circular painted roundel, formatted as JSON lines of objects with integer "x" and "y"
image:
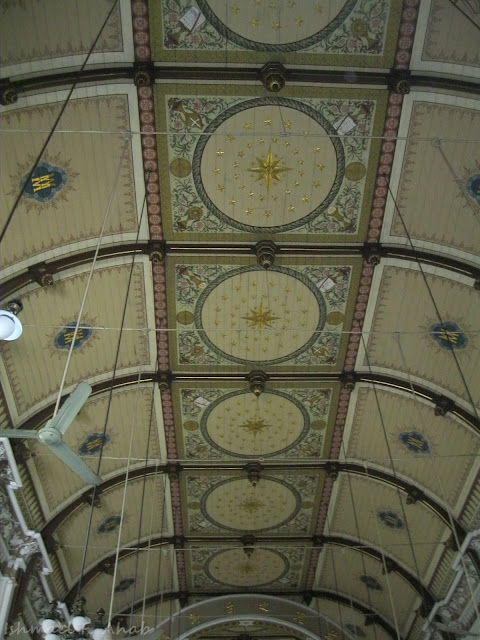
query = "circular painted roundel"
{"x": 234, "y": 569}
{"x": 263, "y": 26}
{"x": 253, "y": 175}
{"x": 239, "y": 506}
{"x": 266, "y": 317}
{"x": 243, "y": 425}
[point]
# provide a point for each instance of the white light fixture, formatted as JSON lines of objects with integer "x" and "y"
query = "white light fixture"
{"x": 98, "y": 631}
{"x": 10, "y": 325}
{"x": 79, "y": 620}
{"x": 49, "y": 625}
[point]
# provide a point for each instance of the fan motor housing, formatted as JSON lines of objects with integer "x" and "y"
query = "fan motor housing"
{"x": 49, "y": 435}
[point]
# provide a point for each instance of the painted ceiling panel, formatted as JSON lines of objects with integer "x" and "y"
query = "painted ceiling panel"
{"x": 146, "y": 497}
{"x": 52, "y": 313}
{"x": 66, "y": 198}
{"x": 160, "y": 577}
{"x": 233, "y": 314}
{"x": 355, "y": 574}
{"x": 438, "y": 191}
{"x": 228, "y": 421}
{"x": 429, "y": 349}
{"x": 229, "y": 164}
{"x": 438, "y": 453}
{"x": 450, "y": 38}
{"x": 213, "y": 567}
{"x": 275, "y": 148}
{"x": 31, "y": 24}
{"x": 229, "y": 504}
{"x": 350, "y": 619}
{"x": 298, "y": 31}
{"x": 129, "y": 409}
{"x": 385, "y": 520}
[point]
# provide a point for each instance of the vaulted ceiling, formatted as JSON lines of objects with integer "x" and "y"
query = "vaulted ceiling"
{"x": 364, "y": 173}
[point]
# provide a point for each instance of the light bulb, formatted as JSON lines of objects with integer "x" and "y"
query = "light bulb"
{"x": 108, "y": 634}
{"x": 98, "y": 633}
{"x": 80, "y": 622}
{"x": 10, "y": 326}
{"x": 49, "y": 625}
{"x": 52, "y": 636}
{"x": 7, "y": 326}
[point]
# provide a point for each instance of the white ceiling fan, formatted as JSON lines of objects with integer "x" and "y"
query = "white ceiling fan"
{"x": 51, "y": 434}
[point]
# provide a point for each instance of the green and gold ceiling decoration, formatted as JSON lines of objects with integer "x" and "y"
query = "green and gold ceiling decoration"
{"x": 239, "y": 166}
{"x": 213, "y": 567}
{"x": 229, "y": 421}
{"x": 231, "y": 314}
{"x": 298, "y": 31}
{"x": 229, "y": 504}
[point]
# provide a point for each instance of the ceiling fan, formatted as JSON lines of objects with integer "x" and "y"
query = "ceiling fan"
{"x": 51, "y": 434}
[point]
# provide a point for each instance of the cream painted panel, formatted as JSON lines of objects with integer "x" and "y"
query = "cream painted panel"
{"x": 155, "y": 566}
{"x": 404, "y": 304}
{"x": 384, "y": 523}
{"x": 352, "y": 572}
{"x": 66, "y": 199}
{"x": 35, "y": 364}
{"x": 436, "y": 452}
{"x": 106, "y": 521}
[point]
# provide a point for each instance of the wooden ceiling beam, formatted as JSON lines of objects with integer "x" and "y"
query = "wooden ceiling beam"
{"x": 105, "y": 563}
{"x": 248, "y": 73}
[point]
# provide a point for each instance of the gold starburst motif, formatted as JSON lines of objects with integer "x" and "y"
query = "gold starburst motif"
{"x": 251, "y": 505}
{"x": 255, "y": 425}
{"x": 269, "y": 169}
{"x": 245, "y": 568}
{"x": 260, "y": 318}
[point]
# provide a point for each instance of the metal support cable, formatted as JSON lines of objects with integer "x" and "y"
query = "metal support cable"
{"x": 124, "y": 500}
{"x": 110, "y": 395}
{"x": 142, "y": 501}
{"x": 89, "y": 279}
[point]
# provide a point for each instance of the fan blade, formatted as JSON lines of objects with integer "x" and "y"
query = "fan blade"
{"x": 71, "y": 407}
{"x": 18, "y": 433}
{"x": 76, "y": 464}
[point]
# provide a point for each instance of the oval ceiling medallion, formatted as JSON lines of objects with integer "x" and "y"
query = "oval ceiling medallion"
{"x": 252, "y": 175}
{"x": 239, "y": 506}
{"x": 44, "y": 183}
{"x": 124, "y": 585}
{"x": 371, "y": 583}
{"x": 244, "y": 425}
{"x": 279, "y": 27}
{"x": 448, "y": 335}
{"x": 414, "y": 441}
{"x": 93, "y": 444}
{"x": 265, "y": 317}
{"x": 233, "y": 568}
{"x": 63, "y": 339}
{"x": 390, "y": 519}
{"x": 109, "y": 525}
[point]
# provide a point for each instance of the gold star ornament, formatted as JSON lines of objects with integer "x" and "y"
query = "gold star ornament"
{"x": 269, "y": 169}
{"x": 260, "y": 318}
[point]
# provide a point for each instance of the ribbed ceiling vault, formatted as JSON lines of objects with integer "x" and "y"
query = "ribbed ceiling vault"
{"x": 366, "y": 434}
